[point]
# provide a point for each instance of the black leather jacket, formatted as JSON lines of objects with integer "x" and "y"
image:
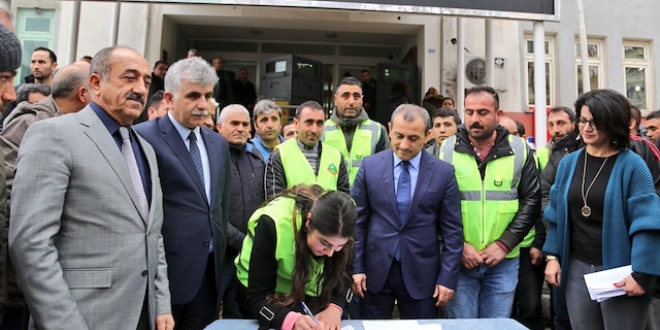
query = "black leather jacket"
{"x": 529, "y": 191}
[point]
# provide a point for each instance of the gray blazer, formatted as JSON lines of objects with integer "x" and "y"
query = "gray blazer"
{"x": 83, "y": 254}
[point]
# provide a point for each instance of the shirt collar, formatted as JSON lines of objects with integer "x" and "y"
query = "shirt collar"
{"x": 110, "y": 123}
{"x": 304, "y": 147}
{"x": 414, "y": 162}
{"x": 183, "y": 131}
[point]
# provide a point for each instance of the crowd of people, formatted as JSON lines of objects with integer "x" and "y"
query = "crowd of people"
{"x": 138, "y": 197}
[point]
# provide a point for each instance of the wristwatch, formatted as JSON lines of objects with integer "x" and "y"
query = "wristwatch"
{"x": 550, "y": 257}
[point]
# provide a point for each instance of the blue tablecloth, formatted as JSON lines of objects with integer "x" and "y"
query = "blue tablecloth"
{"x": 447, "y": 324}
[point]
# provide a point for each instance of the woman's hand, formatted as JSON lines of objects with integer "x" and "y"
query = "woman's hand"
{"x": 553, "y": 272}
{"x": 330, "y": 318}
{"x": 305, "y": 322}
{"x": 630, "y": 286}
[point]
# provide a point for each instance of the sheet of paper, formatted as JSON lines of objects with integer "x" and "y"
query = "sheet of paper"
{"x": 399, "y": 324}
{"x": 600, "y": 284}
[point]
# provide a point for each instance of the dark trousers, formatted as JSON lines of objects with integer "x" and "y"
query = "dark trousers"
{"x": 143, "y": 321}
{"x": 380, "y": 305}
{"x": 228, "y": 291}
{"x": 14, "y": 318}
{"x": 527, "y": 307}
{"x": 558, "y": 309}
{"x": 619, "y": 313}
{"x": 202, "y": 310}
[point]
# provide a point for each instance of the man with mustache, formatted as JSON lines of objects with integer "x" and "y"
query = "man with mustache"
{"x": 86, "y": 212}
{"x": 350, "y": 130}
{"x": 71, "y": 93}
{"x": 306, "y": 160}
{"x": 500, "y": 200}
{"x": 247, "y": 194}
{"x": 195, "y": 175}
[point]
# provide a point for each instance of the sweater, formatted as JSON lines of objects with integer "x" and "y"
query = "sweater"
{"x": 631, "y": 232}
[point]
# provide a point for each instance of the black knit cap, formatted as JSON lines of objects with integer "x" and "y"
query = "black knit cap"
{"x": 10, "y": 50}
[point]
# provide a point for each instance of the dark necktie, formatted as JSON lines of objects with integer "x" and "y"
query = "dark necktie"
{"x": 403, "y": 192}
{"x": 194, "y": 152}
{"x": 134, "y": 171}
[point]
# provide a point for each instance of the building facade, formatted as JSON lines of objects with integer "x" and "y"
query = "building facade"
{"x": 621, "y": 42}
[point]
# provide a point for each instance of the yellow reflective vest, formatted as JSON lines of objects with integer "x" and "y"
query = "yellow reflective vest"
{"x": 488, "y": 205}
{"x": 298, "y": 171}
{"x": 365, "y": 140}
{"x": 281, "y": 211}
{"x": 542, "y": 156}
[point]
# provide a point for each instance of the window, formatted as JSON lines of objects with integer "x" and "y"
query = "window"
{"x": 636, "y": 73}
{"x": 549, "y": 69}
{"x": 595, "y": 62}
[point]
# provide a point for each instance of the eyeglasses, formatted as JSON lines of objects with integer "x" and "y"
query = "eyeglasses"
{"x": 583, "y": 122}
{"x": 346, "y": 96}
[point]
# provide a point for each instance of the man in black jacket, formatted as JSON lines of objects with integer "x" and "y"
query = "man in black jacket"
{"x": 495, "y": 172}
{"x": 247, "y": 193}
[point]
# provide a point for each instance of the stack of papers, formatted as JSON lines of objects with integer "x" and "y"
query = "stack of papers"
{"x": 398, "y": 325}
{"x": 601, "y": 284}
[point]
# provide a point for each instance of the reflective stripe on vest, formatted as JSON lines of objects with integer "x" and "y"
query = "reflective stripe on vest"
{"x": 364, "y": 143}
{"x": 543, "y": 155}
{"x": 298, "y": 171}
{"x": 280, "y": 210}
{"x": 488, "y": 205}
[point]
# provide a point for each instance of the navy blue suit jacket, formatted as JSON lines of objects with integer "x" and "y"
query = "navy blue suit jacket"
{"x": 435, "y": 209}
{"x": 189, "y": 222}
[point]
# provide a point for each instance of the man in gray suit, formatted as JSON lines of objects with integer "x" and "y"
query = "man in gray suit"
{"x": 87, "y": 211}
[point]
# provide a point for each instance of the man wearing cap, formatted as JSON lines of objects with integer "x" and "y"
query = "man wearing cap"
{"x": 10, "y": 61}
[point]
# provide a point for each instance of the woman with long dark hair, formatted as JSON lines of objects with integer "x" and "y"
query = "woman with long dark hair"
{"x": 603, "y": 214}
{"x": 299, "y": 249}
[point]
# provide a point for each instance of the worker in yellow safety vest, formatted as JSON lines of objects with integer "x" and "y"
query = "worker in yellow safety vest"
{"x": 306, "y": 160}
{"x": 349, "y": 128}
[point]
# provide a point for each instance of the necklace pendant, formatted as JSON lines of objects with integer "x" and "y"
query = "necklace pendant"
{"x": 586, "y": 211}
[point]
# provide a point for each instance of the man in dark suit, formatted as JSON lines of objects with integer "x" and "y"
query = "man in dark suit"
{"x": 195, "y": 173}
{"x": 224, "y": 90}
{"x": 406, "y": 198}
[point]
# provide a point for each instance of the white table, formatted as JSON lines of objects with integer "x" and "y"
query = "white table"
{"x": 447, "y": 324}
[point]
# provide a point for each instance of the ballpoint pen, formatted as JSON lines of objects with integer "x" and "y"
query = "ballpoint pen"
{"x": 308, "y": 312}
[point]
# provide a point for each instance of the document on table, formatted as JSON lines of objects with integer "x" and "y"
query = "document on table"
{"x": 601, "y": 284}
{"x": 399, "y": 324}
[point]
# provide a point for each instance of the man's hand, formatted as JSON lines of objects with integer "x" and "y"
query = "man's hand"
{"x": 471, "y": 257}
{"x": 630, "y": 286}
{"x": 536, "y": 256}
{"x": 165, "y": 322}
{"x": 443, "y": 295}
{"x": 492, "y": 254}
{"x": 553, "y": 272}
{"x": 359, "y": 284}
{"x": 330, "y": 318}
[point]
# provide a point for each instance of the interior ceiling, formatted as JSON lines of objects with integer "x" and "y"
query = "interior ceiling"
{"x": 235, "y": 28}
